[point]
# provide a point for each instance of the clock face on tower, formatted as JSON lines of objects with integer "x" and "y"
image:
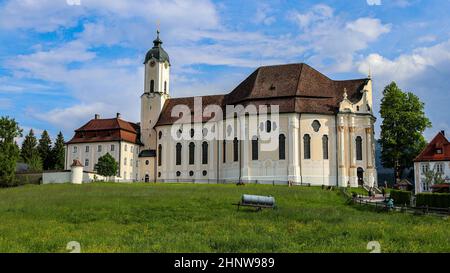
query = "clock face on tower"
{"x": 152, "y": 63}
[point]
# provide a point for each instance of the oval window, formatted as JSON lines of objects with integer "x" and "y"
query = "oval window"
{"x": 316, "y": 126}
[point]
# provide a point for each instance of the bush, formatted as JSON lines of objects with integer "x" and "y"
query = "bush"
{"x": 434, "y": 200}
{"x": 401, "y": 197}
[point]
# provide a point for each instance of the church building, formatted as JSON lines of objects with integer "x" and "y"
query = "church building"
{"x": 323, "y": 130}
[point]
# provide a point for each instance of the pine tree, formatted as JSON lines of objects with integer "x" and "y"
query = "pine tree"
{"x": 58, "y": 153}
{"x": 9, "y": 151}
{"x": 45, "y": 149}
{"x": 29, "y": 147}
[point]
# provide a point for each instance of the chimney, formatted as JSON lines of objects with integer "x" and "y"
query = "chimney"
{"x": 443, "y": 132}
{"x": 117, "y": 115}
{"x": 97, "y": 116}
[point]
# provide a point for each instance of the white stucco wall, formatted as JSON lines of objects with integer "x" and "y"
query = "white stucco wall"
{"x": 56, "y": 177}
{"x": 420, "y": 184}
{"x": 66, "y": 177}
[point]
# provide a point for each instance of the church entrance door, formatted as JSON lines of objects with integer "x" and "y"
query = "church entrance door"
{"x": 147, "y": 178}
{"x": 360, "y": 173}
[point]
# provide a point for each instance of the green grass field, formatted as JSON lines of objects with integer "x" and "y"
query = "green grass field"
{"x": 109, "y": 217}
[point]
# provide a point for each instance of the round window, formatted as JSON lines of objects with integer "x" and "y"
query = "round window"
{"x": 205, "y": 173}
{"x": 316, "y": 125}
{"x": 147, "y": 162}
{"x": 191, "y": 173}
{"x": 178, "y": 173}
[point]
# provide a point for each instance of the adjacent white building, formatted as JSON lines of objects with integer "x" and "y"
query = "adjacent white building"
{"x": 435, "y": 157}
{"x": 99, "y": 136}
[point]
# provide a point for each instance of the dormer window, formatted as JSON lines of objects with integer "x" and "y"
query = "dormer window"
{"x": 439, "y": 151}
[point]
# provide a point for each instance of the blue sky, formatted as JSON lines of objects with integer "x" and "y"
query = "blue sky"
{"x": 60, "y": 62}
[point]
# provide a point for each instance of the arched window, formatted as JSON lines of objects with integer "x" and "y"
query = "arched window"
{"x": 152, "y": 86}
{"x": 281, "y": 147}
{"x": 178, "y": 154}
{"x": 307, "y": 146}
{"x": 268, "y": 126}
{"x": 255, "y": 148}
{"x": 224, "y": 151}
{"x": 325, "y": 146}
{"x": 235, "y": 149}
{"x": 159, "y": 154}
{"x": 205, "y": 152}
{"x": 358, "y": 148}
{"x": 191, "y": 153}
{"x": 165, "y": 87}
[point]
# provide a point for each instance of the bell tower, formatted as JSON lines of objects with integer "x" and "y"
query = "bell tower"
{"x": 156, "y": 91}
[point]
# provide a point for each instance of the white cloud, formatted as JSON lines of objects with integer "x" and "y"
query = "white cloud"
{"x": 434, "y": 59}
{"x": 333, "y": 40}
{"x": 317, "y": 14}
{"x": 42, "y": 15}
{"x": 368, "y": 28}
{"x": 77, "y": 115}
{"x": 263, "y": 16}
{"x": 374, "y": 2}
{"x": 425, "y": 71}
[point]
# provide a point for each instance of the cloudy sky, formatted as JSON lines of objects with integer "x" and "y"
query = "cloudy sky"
{"x": 62, "y": 61}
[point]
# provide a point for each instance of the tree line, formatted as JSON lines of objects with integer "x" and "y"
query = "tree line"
{"x": 39, "y": 154}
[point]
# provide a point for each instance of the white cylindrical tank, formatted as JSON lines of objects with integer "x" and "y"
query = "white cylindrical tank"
{"x": 77, "y": 172}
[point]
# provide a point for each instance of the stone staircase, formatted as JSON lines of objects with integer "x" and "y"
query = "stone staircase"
{"x": 376, "y": 189}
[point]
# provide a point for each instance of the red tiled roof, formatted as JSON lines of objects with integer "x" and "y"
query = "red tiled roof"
{"x": 108, "y": 124}
{"x": 430, "y": 152}
{"x": 76, "y": 163}
{"x": 296, "y": 88}
{"x": 103, "y": 130}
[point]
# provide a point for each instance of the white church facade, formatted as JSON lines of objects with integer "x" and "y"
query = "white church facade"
{"x": 322, "y": 130}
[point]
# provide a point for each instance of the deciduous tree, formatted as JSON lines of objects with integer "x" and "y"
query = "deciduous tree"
{"x": 404, "y": 121}
{"x": 107, "y": 165}
{"x": 9, "y": 151}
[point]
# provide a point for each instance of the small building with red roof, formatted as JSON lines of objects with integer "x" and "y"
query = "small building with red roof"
{"x": 435, "y": 157}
